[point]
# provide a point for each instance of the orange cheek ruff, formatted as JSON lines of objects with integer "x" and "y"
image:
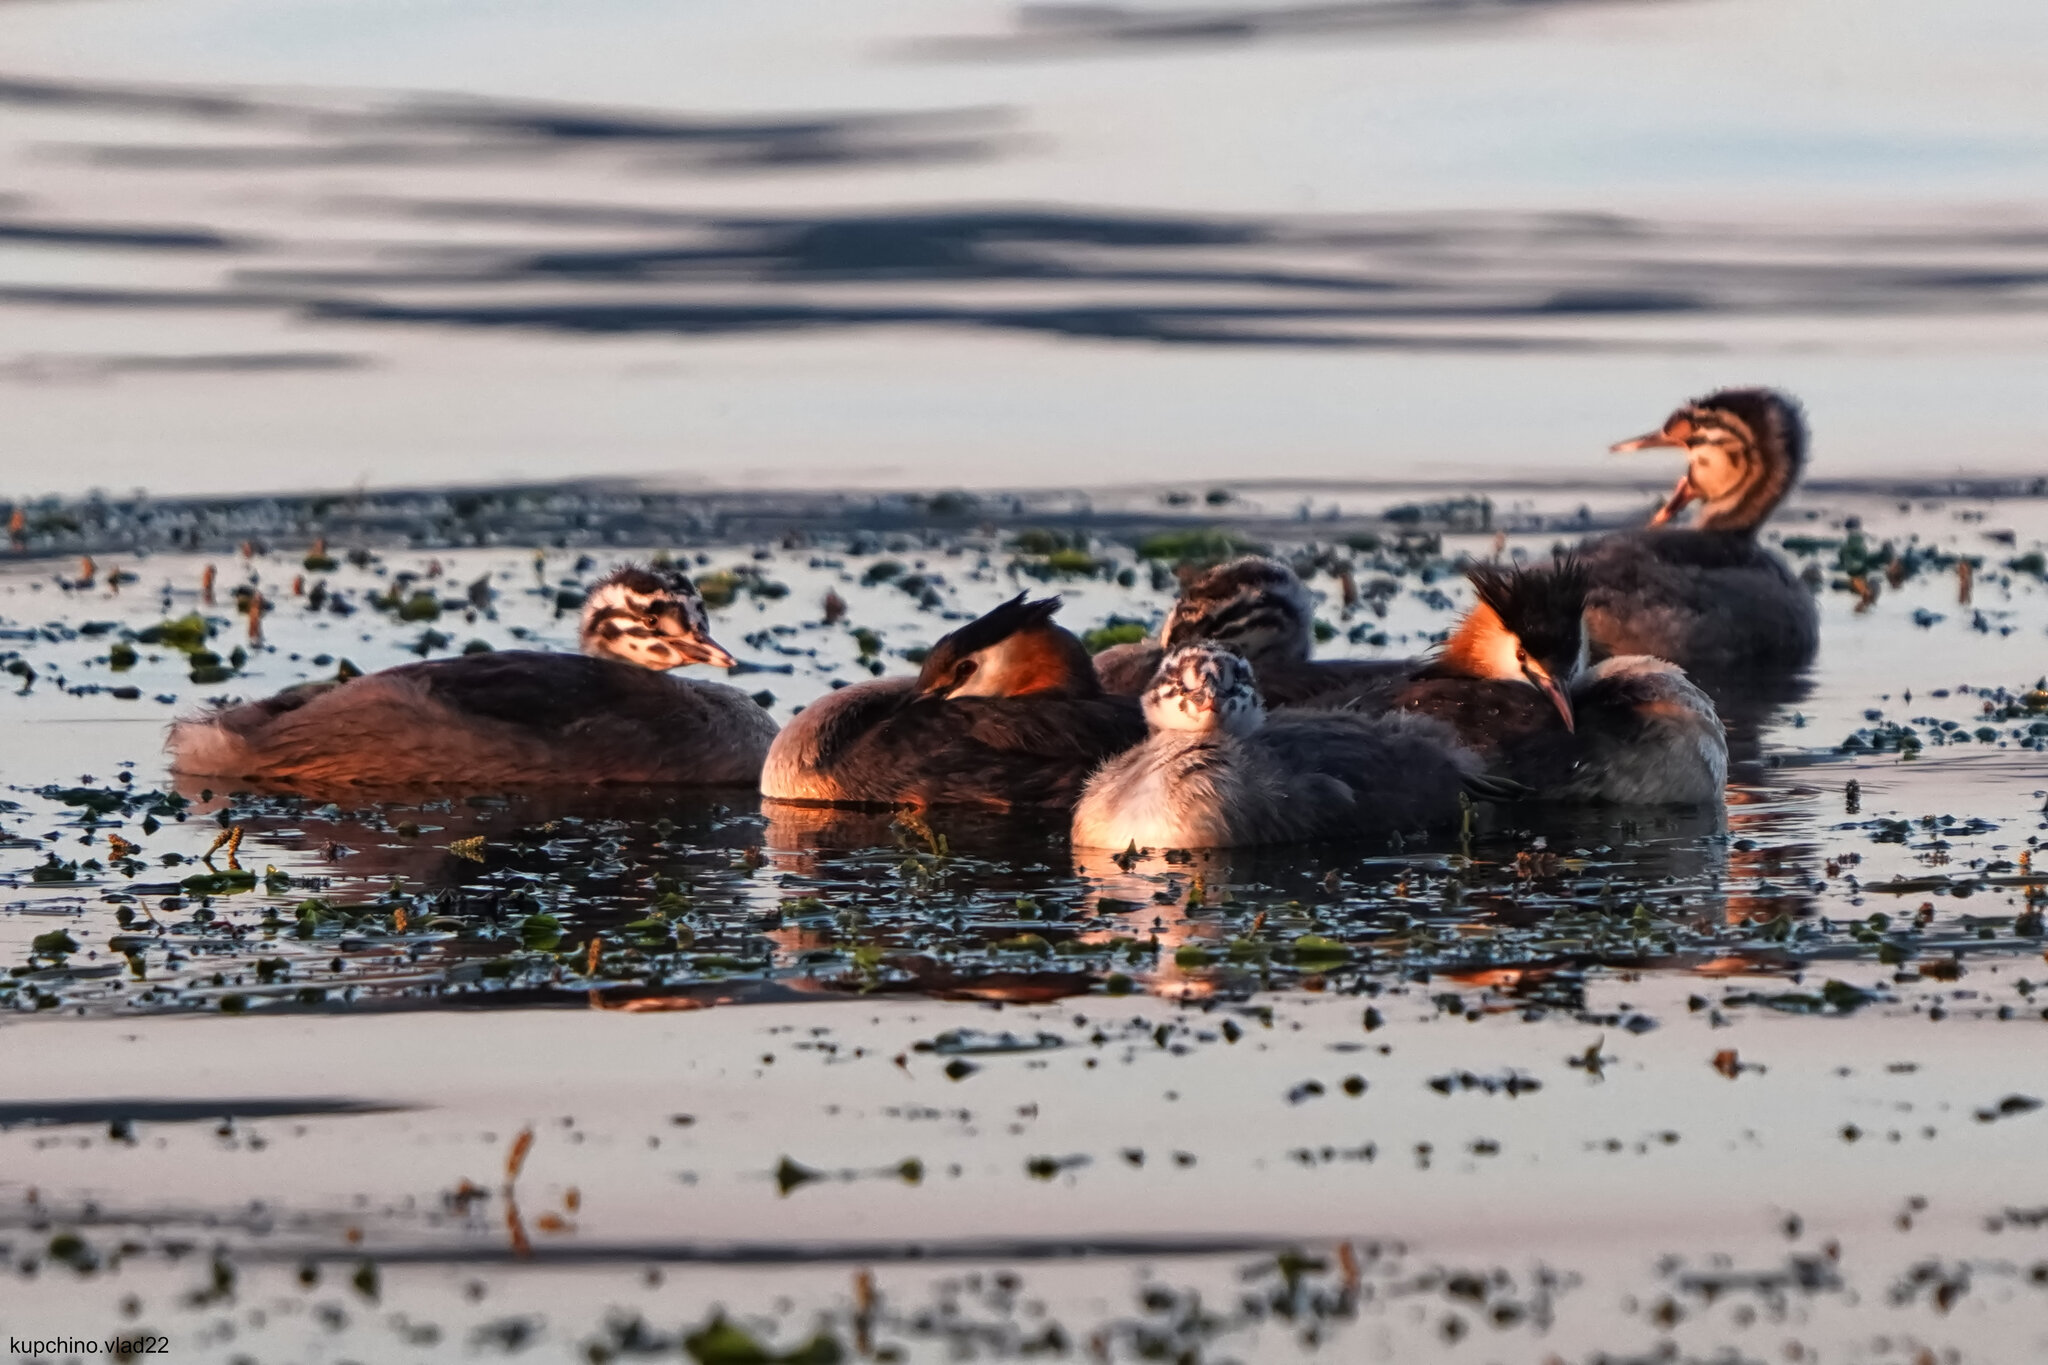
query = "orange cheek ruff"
{"x": 1041, "y": 661}
{"x": 1479, "y": 645}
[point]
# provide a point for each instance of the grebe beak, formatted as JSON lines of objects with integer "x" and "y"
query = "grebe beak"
{"x": 1673, "y": 505}
{"x": 701, "y": 650}
{"x": 1539, "y": 677}
{"x": 1672, "y": 435}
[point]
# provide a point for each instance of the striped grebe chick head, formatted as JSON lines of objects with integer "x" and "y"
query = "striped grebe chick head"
{"x": 1527, "y": 626}
{"x": 1744, "y": 451}
{"x": 1204, "y": 688}
{"x": 1014, "y": 650}
{"x": 652, "y": 617}
{"x": 1255, "y": 606}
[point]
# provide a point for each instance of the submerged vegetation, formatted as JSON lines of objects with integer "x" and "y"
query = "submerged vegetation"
{"x": 1877, "y": 864}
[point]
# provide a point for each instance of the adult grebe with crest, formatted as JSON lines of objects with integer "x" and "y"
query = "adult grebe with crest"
{"x": 1006, "y": 712}
{"x": 1515, "y": 682}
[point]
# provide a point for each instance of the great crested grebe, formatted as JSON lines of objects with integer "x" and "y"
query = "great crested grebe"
{"x": 1708, "y": 597}
{"x": 1513, "y": 681}
{"x": 1259, "y": 609}
{"x": 1219, "y": 772}
{"x": 515, "y": 718}
{"x": 1006, "y": 712}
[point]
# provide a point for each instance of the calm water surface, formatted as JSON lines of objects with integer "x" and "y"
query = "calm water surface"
{"x": 248, "y": 245}
{"x": 1597, "y": 1086}
{"x": 603, "y": 1075}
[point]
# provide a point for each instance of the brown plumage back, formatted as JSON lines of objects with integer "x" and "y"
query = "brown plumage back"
{"x": 487, "y": 721}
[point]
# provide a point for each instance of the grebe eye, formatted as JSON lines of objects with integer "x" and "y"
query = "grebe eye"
{"x": 964, "y": 671}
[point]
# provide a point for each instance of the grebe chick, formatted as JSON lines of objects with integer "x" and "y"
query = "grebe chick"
{"x": 511, "y": 718}
{"x": 1709, "y": 597}
{"x": 1259, "y": 609}
{"x": 1514, "y": 683}
{"x": 1005, "y": 712}
{"x": 1218, "y": 771}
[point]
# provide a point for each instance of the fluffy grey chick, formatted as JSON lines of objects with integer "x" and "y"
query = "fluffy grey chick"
{"x": 1218, "y": 772}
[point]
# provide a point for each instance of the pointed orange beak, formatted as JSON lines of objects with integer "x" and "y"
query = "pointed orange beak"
{"x": 702, "y": 650}
{"x": 1673, "y": 505}
{"x": 1675, "y": 432}
{"x": 1656, "y": 440}
{"x": 1540, "y": 679}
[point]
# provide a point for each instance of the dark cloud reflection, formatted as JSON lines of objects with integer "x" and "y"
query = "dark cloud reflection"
{"x": 313, "y": 131}
{"x": 1062, "y": 30}
{"x": 1458, "y": 280}
{"x": 618, "y": 255}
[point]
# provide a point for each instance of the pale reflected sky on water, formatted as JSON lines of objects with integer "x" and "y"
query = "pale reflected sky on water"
{"x": 253, "y": 245}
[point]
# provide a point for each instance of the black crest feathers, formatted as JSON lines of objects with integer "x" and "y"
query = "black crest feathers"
{"x": 990, "y": 628}
{"x": 1541, "y": 603}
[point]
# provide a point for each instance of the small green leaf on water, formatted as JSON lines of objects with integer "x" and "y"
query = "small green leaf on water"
{"x": 1205, "y": 546}
{"x": 1844, "y": 996}
{"x": 1116, "y": 632}
{"x": 53, "y": 871}
{"x": 219, "y": 883}
{"x": 1316, "y": 948}
{"x": 719, "y": 1342}
{"x": 421, "y": 606}
{"x": 187, "y": 633}
{"x": 540, "y": 933}
{"x": 791, "y": 1174}
{"x": 68, "y": 1248}
{"x": 54, "y": 944}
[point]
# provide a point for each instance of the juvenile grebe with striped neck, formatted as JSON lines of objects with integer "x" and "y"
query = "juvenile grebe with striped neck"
{"x": 513, "y": 718}
{"x": 1515, "y": 683}
{"x": 1219, "y": 771}
{"x": 1259, "y": 609}
{"x": 1006, "y": 712}
{"x": 1709, "y": 597}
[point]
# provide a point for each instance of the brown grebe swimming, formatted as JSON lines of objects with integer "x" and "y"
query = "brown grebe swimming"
{"x": 1259, "y": 609}
{"x": 1006, "y": 711}
{"x": 1218, "y": 771}
{"x": 1515, "y": 683}
{"x": 1709, "y": 597}
{"x": 512, "y": 718}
